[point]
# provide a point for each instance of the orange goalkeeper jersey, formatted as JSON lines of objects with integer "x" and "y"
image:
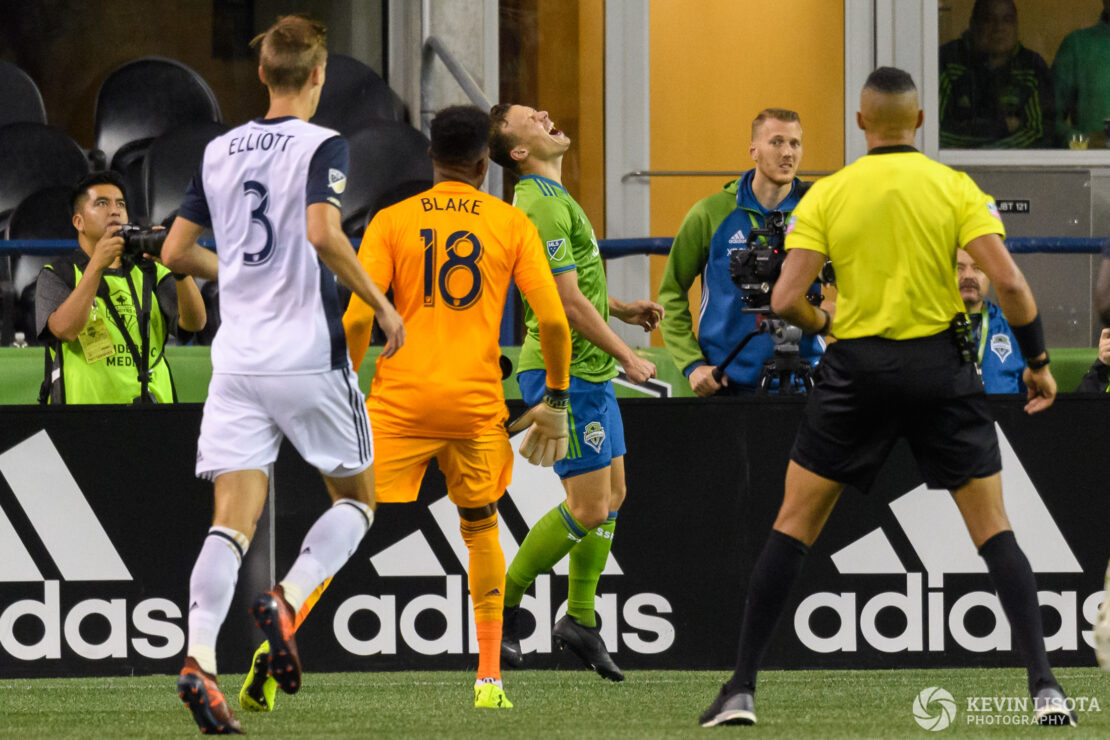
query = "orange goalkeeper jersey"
{"x": 449, "y": 254}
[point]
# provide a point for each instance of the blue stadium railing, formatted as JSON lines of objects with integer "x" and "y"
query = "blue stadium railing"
{"x": 610, "y": 249}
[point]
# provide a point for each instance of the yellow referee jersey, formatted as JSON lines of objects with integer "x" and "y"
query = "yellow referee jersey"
{"x": 891, "y": 222}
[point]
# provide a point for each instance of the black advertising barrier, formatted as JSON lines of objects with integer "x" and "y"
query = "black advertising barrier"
{"x": 893, "y": 581}
{"x": 101, "y": 520}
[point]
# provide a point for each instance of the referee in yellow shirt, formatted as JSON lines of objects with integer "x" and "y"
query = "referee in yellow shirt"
{"x": 891, "y": 223}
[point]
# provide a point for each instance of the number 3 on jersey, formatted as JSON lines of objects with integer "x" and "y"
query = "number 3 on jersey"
{"x": 258, "y": 216}
{"x": 448, "y": 278}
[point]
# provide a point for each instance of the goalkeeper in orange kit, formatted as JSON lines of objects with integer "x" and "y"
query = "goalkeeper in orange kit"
{"x": 449, "y": 254}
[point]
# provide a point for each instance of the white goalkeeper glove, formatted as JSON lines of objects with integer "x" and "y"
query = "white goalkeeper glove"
{"x": 546, "y": 441}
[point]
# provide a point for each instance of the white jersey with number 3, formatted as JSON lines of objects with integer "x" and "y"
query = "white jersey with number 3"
{"x": 279, "y": 312}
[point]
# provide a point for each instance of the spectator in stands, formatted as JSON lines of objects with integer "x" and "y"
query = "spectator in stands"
{"x": 1002, "y": 366}
{"x": 712, "y": 229}
{"x": 994, "y": 93}
{"x": 105, "y": 317}
{"x": 1081, "y": 73}
{"x": 1097, "y": 379}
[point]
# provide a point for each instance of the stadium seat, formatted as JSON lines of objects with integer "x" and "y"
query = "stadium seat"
{"x": 354, "y": 96}
{"x": 35, "y": 156}
{"x": 389, "y": 162}
{"x": 145, "y": 98}
{"x": 22, "y": 100}
{"x": 170, "y": 163}
{"x": 45, "y": 214}
{"x": 128, "y": 163}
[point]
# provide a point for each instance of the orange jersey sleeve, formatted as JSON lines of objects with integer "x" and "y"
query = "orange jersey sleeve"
{"x": 449, "y": 254}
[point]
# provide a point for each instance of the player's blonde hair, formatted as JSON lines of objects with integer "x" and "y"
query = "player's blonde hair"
{"x": 779, "y": 114}
{"x": 288, "y": 51}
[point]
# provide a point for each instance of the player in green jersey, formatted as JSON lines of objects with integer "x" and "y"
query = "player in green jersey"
{"x": 526, "y": 142}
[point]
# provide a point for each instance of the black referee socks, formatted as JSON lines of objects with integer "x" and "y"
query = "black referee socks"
{"x": 1017, "y": 590}
{"x": 775, "y": 572}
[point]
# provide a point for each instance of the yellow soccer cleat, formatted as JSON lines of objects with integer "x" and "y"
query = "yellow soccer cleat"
{"x": 488, "y": 695}
{"x": 260, "y": 688}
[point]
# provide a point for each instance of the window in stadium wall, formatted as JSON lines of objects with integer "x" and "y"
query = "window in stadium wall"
{"x": 1024, "y": 74}
{"x": 553, "y": 59}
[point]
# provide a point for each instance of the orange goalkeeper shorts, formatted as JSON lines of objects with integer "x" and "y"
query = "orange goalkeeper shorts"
{"x": 477, "y": 470}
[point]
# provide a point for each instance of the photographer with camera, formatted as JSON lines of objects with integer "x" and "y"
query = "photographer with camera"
{"x": 106, "y": 310}
{"x": 712, "y": 230}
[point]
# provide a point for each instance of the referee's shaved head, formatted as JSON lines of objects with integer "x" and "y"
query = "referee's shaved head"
{"x": 889, "y": 108}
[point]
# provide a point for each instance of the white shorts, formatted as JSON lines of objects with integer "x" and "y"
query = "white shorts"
{"x": 322, "y": 414}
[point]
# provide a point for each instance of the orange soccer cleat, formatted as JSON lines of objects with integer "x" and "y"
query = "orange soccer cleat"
{"x": 202, "y": 695}
{"x": 277, "y": 620}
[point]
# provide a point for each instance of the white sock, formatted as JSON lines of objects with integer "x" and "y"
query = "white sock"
{"x": 211, "y": 587}
{"x": 332, "y": 540}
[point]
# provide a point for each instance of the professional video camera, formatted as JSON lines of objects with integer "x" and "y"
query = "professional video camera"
{"x": 138, "y": 241}
{"x": 755, "y": 269}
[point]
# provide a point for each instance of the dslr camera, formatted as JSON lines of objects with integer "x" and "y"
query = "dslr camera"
{"x": 138, "y": 241}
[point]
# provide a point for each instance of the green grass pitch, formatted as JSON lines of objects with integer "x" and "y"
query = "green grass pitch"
{"x": 549, "y": 704}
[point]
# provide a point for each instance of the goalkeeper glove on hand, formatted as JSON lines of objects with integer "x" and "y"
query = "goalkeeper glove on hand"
{"x": 547, "y": 439}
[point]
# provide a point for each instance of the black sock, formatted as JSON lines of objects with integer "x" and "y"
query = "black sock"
{"x": 774, "y": 575}
{"x": 1017, "y": 590}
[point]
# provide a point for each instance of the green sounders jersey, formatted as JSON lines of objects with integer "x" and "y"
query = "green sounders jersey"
{"x": 570, "y": 244}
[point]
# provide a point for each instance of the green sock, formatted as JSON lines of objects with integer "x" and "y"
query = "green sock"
{"x": 546, "y": 544}
{"x": 587, "y": 560}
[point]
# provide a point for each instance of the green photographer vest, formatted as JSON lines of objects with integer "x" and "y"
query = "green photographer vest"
{"x": 118, "y": 378}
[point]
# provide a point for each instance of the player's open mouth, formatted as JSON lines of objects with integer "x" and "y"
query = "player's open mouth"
{"x": 554, "y": 132}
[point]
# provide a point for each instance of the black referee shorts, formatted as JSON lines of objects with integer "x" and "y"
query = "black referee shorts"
{"x": 868, "y": 392}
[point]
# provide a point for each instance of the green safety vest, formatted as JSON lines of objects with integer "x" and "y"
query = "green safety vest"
{"x": 119, "y": 378}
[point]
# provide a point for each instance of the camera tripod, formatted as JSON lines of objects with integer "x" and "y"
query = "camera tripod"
{"x": 785, "y": 365}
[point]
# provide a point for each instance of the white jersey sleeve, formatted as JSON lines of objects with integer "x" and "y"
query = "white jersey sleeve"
{"x": 279, "y": 309}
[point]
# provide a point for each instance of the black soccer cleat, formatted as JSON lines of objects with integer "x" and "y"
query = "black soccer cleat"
{"x": 511, "y": 654}
{"x": 586, "y": 643}
{"x": 275, "y": 618}
{"x": 729, "y": 708}
{"x": 1052, "y": 708}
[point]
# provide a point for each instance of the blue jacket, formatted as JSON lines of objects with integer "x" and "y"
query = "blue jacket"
{"x": 722, "y": 325}
{"x": 1002, "y": 363}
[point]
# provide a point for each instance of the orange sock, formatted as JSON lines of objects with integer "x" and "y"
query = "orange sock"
{"x": 487, "y": 591}
{"x": 489, "y": 649}
{"x": 310, "y": 602}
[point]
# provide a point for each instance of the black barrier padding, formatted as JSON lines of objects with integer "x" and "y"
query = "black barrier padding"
{"x": 704, "y": 484}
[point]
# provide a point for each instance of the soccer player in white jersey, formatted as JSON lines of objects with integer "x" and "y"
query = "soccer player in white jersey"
{"x": 270, "y": 189}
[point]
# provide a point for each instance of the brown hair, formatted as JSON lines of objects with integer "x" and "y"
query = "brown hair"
{"x": 779, "y": 114}
{"x": 289, "y": 50}
{"x": 500, "y": 142}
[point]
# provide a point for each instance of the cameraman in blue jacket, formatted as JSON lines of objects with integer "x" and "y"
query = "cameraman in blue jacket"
{"x": 1000, "y": 363}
